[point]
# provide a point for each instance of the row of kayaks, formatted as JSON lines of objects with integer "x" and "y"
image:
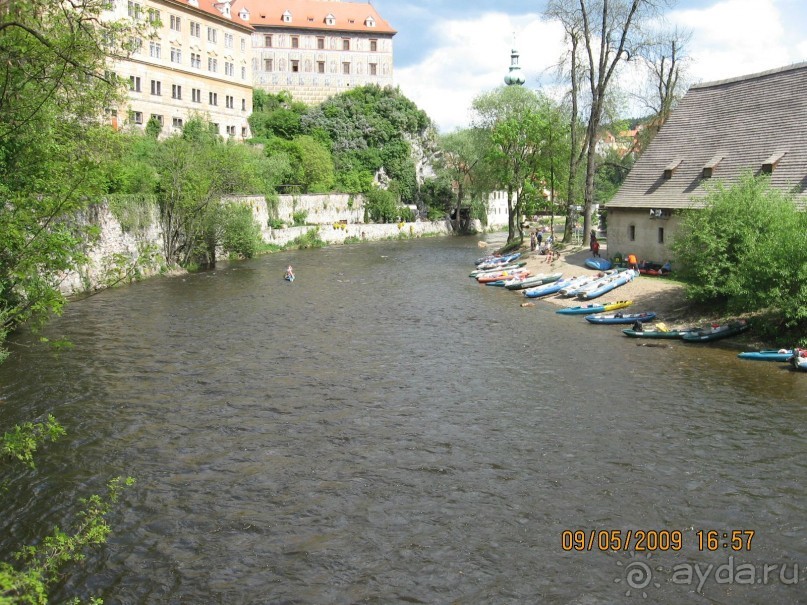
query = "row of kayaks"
{"x": 707, "y": 334}
{"x": 586, "y": 287}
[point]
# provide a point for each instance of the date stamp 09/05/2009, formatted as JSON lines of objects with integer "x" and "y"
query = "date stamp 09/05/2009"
{"x": 654, "y": 540}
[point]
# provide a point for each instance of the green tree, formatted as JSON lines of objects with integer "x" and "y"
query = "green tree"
{"x": 746, "y": 247}
{"x": 316, "y": 165}
{"x": 520, "y": 126}
{"x": 462, "y": 161}
{"x": 53, "y": 91}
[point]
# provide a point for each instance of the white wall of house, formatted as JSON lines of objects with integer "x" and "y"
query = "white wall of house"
{"x": 497, "y": 208}
{"x": 633, "y": 230}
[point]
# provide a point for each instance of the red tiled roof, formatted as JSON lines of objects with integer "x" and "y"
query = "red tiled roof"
{"x": 310, "y": 14}
{"x": 209, "y": 7}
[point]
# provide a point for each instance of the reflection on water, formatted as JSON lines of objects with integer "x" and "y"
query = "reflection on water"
{"x": 385, "y": 430}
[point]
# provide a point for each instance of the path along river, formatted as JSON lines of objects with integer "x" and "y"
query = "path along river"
{"x": 386, "y": 430}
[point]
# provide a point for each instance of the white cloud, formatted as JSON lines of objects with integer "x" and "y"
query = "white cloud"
{"x": 729, "y": 38}
{"x": 472, "y": 57}
{"x": 735, "y": 38}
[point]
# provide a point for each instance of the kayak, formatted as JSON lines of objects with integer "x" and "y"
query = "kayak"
{"x": 510, "y": 267}
{"x": 535, "y": 280}
{"x": 502, "y": 275}
{"x": 595, "y": 308}
{"x": 768, "y": 355}
{"x": 799, "y": 359}
{"x": 676, "y": 334}
{"x": 547, "y": 289}
{"x": 498, "y": 260}
{"x": 601, "y": 264}
{"x": 620, "y": 318}
{"x": 607, "y": 285}
{"x": 716, "y": 332}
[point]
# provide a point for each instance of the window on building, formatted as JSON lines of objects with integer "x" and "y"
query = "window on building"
{"x": 154, "y": 16}
{"x": 213, "y": 98}
{"x": 211, "y": 34}
{"x": 320, "y": 42}
{"x": 373, "y": 69}
{"x": 134, "y": 83}
{"x": 661, "y": 235}
{"x": 267, "y": 41}
{"x": 229, "y": 39}
{"x": 158, "y": 117}
{"x": 243, "y": 132}
{"x": 330, "y": 19}
{"x": 156, "y": 87}
{"x": 196, "y": 60}
{"x": 155, "y": 50}
{"x": 136, "y": 117}
{"x": 176, "y": 123}
{"x": 268, "y": 65}
{"x": 286, "y": 17}
{"x": 216, "y": 128}
{"x": 229, "y": 68}
{"x": 369, "y": 22}
{"x": 243, "y": 104}
{"x": 320, "y": 67}
{"x": 295, "y": 65}
{"x": 231, "y": 131}
{"x": 243, "y": 73}
{"x": 135, "y": 11}
{"x": 373, "y": 45}
{"x": 196, "y": 95}
{"x": 176, "y": 23}
{"x": 345, "y": 43}
{"x": 212, "y": 64}
{"x": 345, "y": 68}
{"x": 176, "y": 55}
{"x": 176, "y": 91}
{"x": 229, "y": 102}
{"x": 137, "y": 46}
{"x": 243, "y": 44}
{"x": 295, "y": 41}
{"x": 631, "y": 233}
{"x": 196, "y": 29}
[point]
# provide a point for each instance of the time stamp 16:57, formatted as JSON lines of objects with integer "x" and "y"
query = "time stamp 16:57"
{"x": 654, "y": 539}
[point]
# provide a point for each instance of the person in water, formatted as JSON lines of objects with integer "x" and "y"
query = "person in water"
{"x": 289, "y": 273}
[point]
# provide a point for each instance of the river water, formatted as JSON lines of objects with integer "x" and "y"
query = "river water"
{"x": 386, "y": 430}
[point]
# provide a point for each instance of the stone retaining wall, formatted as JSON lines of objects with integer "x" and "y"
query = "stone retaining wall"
{"x": 117, "y": 251}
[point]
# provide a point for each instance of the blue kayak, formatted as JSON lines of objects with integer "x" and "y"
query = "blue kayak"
{"x": 768, "y": 355}
{"x": 620, "y": 318}
{"x": 600, "y": 264}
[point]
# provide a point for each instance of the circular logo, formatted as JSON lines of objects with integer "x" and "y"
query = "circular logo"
{"x": 638, "y": 575}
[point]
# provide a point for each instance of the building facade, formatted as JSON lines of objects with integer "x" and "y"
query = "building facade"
{"x": 194, "y": 58}
{"x": 719, "y": 132}
{"x": 317, "y": 48}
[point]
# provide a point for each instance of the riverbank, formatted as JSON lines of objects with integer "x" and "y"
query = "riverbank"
{"x": 664, "y": 296}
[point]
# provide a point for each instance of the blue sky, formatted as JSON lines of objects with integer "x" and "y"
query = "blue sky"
{"x": 449, "y": 51}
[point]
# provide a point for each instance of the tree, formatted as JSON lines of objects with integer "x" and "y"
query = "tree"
{"x": 53, "y": 91}
{"x": 196, "y": 170}
{"x": 666, "y": 62}
{"x": 601, "y": 33}
{"x": 461, "y": 160}
{"x": 520, "y": 126}
{"x": 746, "y": 247}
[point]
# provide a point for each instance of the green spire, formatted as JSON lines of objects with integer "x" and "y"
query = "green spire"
{"x": 514, "y": 76}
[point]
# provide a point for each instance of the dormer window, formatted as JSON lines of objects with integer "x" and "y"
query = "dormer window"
{"x": 330, "y": 19}
{"x": 711, "y": 165}
{"x": 670, "y": 168}
{"x": 244, "y": 14}
{"x": 769, "y": 164}
{"x": 194, "y": 3}
{"x": 369, "y": 22}
{"x": 224, "y": 7}
{"x": 286, "y": 17}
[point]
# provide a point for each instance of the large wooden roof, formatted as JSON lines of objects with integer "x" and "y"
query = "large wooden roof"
{"x": 753, "y": 123}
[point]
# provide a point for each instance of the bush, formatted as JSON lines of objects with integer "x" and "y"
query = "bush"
{"x": 746, "y": 248}
{"x": 381, "y": 206}
{"x": 240, "y": 234}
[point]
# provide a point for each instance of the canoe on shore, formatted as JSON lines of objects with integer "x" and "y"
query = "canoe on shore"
{"x": 716, "y": 332}
{"x": 600, "y": 264}
{"x": 595, "y": 308}
{"x": 620, "y": 318}
{"x": 767, "y": 355}
{"x": 535, "y": 280}
{"x": 657, "y": 334}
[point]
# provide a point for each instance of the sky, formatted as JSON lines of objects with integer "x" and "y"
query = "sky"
{"x": 447, "y": 52}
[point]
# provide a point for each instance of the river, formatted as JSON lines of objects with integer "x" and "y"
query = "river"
{"x": 386, "y": 430}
